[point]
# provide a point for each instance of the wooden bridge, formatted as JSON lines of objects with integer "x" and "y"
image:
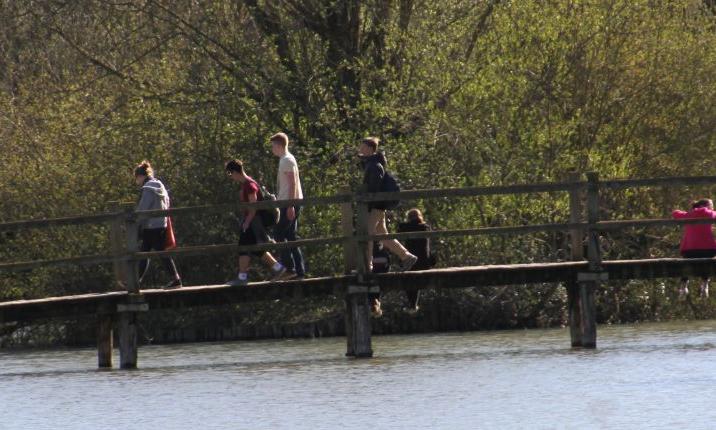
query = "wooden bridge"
{"x": 118, "y": 310}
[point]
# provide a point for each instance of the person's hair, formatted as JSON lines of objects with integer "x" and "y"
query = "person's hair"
{"x": 234, "y": 166}
{"x": 701, "y": 203}
{"x": 372, "y": 142}
{"x": 144, "y": 169}
{"x": 280, "y": 138}
{"x": 415, "y": 215}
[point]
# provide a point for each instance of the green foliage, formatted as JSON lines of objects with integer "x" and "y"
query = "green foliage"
{"x": 463, "y": 93}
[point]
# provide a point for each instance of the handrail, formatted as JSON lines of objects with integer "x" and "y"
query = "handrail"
{"x": 53, "y": 222}
{"x": 222, "y": 248}
{"x": 524, "y": 229}
{"x": 360, "y": 198}
{"x": 264, "y": 204}
{"x": 469, "y": 191}
{"x": 369, "y": 197}
{"x": 85, "y": 260}
{"x": 617, "y": 184}
{"x": 233, "y": 247}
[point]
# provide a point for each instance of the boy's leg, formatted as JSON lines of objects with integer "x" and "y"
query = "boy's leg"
{"x": 296, "y": 256}
{"x": 246, "y": 238}
{"x": 261, "y": 236}
{"x": 374, "y": 217}
{"x": 281, "y": 234}
{"x": 244, "y": 263}
{"x": 407, "y": 260}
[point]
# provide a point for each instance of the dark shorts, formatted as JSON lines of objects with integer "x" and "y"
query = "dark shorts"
{"x": 254, "y": 235}
{"x": 699, "y": 253}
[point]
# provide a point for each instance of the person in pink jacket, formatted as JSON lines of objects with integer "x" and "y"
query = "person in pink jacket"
{"x": 698, "y": 240}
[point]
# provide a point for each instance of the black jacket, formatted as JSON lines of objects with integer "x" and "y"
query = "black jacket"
{"x": 418, "y": 247}
{"x": 373, "y": 172}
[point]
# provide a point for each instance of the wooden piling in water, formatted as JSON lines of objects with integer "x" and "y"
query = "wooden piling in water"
{"x": 128, "y": 340}
{"x": 128, "y": 329}
{"x": 359, "y": 335}
{"x": 104, "y": 340}
{"x": 590, "y": 281}
{"x": 576, "y": 237}
{"x": 128, "y": 312}
{"x": 358, "y": 318}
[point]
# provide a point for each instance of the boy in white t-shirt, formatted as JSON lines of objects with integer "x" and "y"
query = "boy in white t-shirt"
{"x": 288, "y": 186}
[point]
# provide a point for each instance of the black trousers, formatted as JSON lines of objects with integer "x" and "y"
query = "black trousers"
{"x": 698, "y": 253}
{"x": 154, "y": 239}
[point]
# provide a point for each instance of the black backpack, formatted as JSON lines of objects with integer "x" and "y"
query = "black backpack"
{"x": 270, "y": 216}
{"x": 389, "y": 185}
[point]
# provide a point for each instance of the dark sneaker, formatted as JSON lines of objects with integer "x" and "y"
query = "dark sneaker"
{"x": 173, "y": 285}
{"x": 289, "y": 274}
{"x": 278, "y": 274}
{"x": 408, "y": 263}
{"x": 237, "y": 282}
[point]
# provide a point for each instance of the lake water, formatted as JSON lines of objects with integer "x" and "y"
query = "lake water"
{"x": 641, "y": 376}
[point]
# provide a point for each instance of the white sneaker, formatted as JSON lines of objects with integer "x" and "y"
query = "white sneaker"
{"x": 704, "y": 289}
{"x": 408, "y": 262}
{"x": 278, "y": 274}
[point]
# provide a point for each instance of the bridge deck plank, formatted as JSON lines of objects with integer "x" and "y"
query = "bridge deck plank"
{"x": 457, "y": 277}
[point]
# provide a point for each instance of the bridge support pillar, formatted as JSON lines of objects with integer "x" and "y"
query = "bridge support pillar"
{"x": 358, "y": 323}
{"x": 128, "y": 330}
{"x": 104, "y": 340}
{"x": 580, "y": 294}
{"x": 582, "y": 314}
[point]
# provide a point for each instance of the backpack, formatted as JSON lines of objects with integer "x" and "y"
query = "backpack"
{"x": 270, "y": 216}
{"x": 389, "y": 185}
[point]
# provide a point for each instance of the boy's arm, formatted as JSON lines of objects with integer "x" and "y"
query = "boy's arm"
{"x": 250, "y": 213}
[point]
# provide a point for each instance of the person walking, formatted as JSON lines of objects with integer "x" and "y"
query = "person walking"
{"x": 420, "y": 247}
{"x": 288, "y": 186}
{"x": 153, "y": 231}
{"x": 698, "y": 240}
{"x": 374, "y": 169}
{"x": 252, "y": 228}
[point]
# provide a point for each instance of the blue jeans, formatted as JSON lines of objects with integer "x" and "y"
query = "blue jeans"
{"x": 285, "y": 231}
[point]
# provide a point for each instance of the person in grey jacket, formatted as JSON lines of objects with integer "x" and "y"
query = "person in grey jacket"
{"x": 154, "y": 230}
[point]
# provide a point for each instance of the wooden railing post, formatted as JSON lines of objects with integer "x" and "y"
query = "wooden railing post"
{"x": 348, "y": 230}
{"x": 589, "y": 281}
{"x": 576, "y": 238}
{"x": 105, "y": 317}
{"x": 361, "y": 245}
{"x": 116, "y": 243}
{"x": 132, "y": 246}
{"x": 358, "y": 323}
{"x": 128, "y": 312}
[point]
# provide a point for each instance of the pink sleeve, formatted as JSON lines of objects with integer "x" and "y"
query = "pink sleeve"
{"x": 679, "y": 214}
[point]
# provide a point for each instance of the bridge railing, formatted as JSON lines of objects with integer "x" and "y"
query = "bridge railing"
{"x": 123, "y": 221}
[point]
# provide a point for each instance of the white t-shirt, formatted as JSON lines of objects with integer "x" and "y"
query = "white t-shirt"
{"x": 287, "y": 163}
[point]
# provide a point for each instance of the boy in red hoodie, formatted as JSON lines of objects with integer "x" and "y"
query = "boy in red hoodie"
{"x": 698, "y": 240}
